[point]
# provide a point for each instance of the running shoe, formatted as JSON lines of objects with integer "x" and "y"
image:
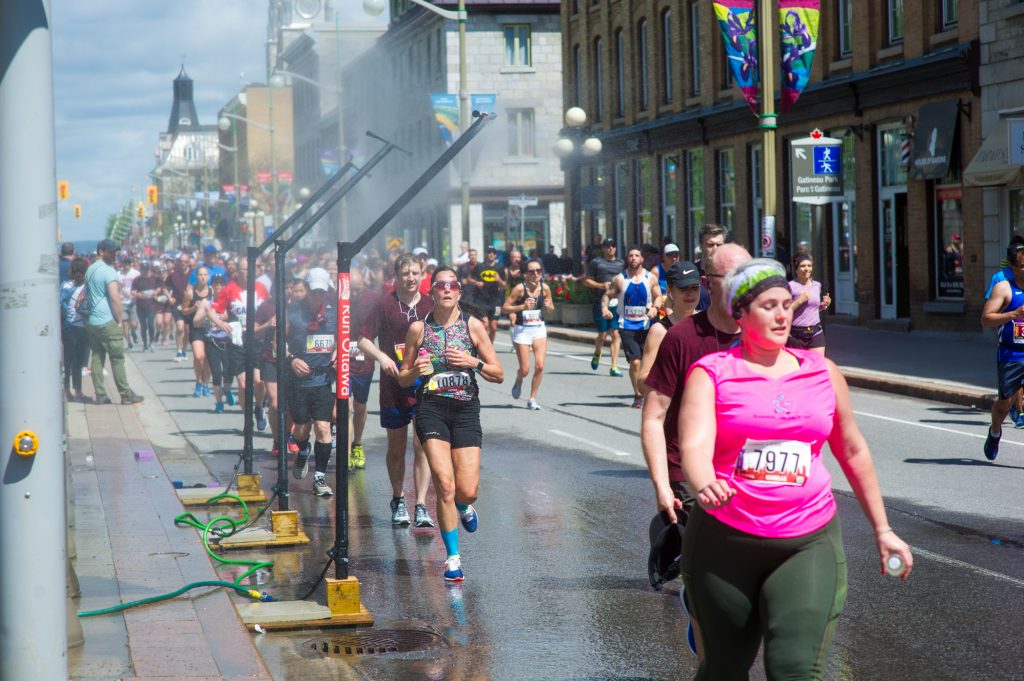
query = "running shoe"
{"x": 517, "y": 388}
{"x": 422, "y": 517}
{"x": 399, "y": 513}
{"x": 301, "y": 465}
{"x": 595, "y": 360}
{"x": 320, "y": 487}
{"x": 218, "y": 408}
{"x": 690, "y": 638}
{"x": 104, "y": 400}
{"x": 469, "y": 519}
{"x": 293, "y": 445}
{"x": 275, "y": 452}
{"x": 207, "y": 390}
{"x": 230, "y": 397}
{"x": 198, "y": 392}
{"x": 453, "y": 569}
{"x": 134, "y": 398}
{"x": 358, "y": 457}
{"x": 1014, "y": 414}
{"x": 992, "y": 445}
{"x": 614, "y": 372}
{"x": 261, "y": 420}
{"x": 638, "y": 402}
{"x": 532, "y": 404}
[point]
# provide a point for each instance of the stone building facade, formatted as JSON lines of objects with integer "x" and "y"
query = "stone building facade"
{"x": 514, "y": 53}
{"x": 682, "y": 148}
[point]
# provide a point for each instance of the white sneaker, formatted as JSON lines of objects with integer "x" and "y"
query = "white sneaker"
{"x": 320, "y": 487}
{"x": 532, "y": 404}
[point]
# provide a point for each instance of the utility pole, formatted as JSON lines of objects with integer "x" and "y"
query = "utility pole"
{"x": 33, "y": 522}
{"x": 766, "y": 64}
{"x": 463, "y": 117}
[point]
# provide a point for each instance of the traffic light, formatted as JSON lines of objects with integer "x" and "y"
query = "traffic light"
{"x": 78, "y": 210}
{"x": 62, "y": 190}
{"x": 151, "y": 194}
{"x": 140, "y": 210}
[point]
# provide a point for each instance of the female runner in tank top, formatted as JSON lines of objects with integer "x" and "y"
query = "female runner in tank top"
{"x": 194, "y": 294}
{"x": 763, "y": 554}
{"x": 526, "y": 303}
{"x": 808, "y": 304}
{"x": 448, "y": 349}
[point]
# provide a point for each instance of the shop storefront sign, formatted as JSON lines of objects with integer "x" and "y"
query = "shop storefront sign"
{"x": 933, "y": 140}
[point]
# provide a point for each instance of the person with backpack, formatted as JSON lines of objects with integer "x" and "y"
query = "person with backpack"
{"x": 74, "y": 306}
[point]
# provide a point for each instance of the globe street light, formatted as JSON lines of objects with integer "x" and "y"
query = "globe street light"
{"x": 575, "y": 143}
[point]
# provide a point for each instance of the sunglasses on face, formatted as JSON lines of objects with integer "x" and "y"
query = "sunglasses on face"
{"x": 534, "y": 271}
{"x": 447, "y": 286}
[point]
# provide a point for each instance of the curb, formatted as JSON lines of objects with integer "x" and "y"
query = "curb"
{"x": 857, "y": 378}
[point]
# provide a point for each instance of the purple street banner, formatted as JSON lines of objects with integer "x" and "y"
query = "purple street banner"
{"x": 799, "y": 22}
{"x": 739, "y": 37}
{"x": 446, "y": 113}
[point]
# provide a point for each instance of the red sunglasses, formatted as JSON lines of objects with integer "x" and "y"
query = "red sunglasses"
{"x": 447, "y": 285}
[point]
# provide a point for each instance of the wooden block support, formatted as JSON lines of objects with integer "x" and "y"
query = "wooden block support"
{"x": 343, "y": 596}
{"x": 284, "y": 523}
{"x": 249, "y": 485}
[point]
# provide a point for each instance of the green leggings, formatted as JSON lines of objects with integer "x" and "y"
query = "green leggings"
{"x": 743, "y": 588}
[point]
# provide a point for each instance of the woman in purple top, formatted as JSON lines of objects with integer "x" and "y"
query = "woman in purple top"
{"x": 806, "y": 332}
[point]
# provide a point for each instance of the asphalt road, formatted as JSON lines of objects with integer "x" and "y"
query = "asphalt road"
{"x": 556, "y": 582}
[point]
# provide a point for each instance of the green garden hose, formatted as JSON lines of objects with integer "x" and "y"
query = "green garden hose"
{"x": 221, "y": 526}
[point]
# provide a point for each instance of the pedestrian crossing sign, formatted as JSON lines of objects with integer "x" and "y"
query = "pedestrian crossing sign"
{"x": 828, "y": 160}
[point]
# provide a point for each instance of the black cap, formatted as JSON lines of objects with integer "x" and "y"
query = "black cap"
{"x": 666, "y": 548}
{"x": 682, "y": 274}
{"x": 607, "y": 242}
{"x": 107, "y": 246}
{"x": 491, "y": 249}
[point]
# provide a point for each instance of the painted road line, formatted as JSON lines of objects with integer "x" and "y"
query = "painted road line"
{"x": 917, "y": 551}
{"x": 980, "y": 436}
{"x": 589, "y": 443}
{"x": 579, "y": 357}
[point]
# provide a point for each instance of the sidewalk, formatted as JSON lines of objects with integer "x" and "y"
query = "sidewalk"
{"x": 129, "y": 548}
{"x": 946, "y": 367}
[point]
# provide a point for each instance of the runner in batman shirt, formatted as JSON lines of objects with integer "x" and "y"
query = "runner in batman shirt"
{"x": 388, "y": 324}
{"x": 639, "y": 298}
{"x": 311, "y": 325}
{"x": 490, "y": 292}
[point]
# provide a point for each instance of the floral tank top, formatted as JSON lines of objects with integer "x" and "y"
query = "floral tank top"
{"x": 455, "y": 383}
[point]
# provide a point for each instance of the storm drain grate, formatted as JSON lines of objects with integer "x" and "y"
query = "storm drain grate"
{"x": 378, "y": 642}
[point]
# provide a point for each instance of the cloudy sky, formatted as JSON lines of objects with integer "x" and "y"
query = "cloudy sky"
{"x": 114, "y": 64}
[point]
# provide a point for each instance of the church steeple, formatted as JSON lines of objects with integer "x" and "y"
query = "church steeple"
{"x": 183, "y": 110}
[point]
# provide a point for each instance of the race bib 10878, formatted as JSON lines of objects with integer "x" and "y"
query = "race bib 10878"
{"x": 775, "y": 462}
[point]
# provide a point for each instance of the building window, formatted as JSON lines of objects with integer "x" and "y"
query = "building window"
{"x": 844, "y": 13}
{"x": 521, "y": 136}
{"x": 695, "y": 84}
{"x": 642, "y": 78}
{"x": 950, "y": 14}
{"x": 620, "y": 73}
{"x": 895, "y": 21}
{"x": 726, "y": 81}
{"x": 726, "y": 189}
{"x": 598, "y": 80}
{"x": 644, "y": 200}
{"x": 517, "y": 45}
{"x": 757, "y": 202}
{"x": 949, "y": 253}
{"x": 577, "y": 69}
{"x": 669, "y": 192}
{"x": 694, "y": 195}
{"x": 666, "y": 57}
{"x": 1016, "y": 197}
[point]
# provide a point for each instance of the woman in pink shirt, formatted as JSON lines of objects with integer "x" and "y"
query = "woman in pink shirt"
{"x": 763, "y": 556}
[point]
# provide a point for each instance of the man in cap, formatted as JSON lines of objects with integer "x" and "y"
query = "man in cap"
{"x": 490, "y": 291}
{"x": 669, "y": 256}
{"x": 311, "y": 324}
{"x": 211, "y": 264}
{"x": 601, "y": 270}
{"x": 103, "y": 325}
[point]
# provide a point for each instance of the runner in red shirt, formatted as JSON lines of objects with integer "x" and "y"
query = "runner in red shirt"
{"x": 388, "y": 323}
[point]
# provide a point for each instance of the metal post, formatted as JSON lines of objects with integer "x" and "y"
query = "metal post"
{"x": 283, "y": 371}
{"x": 273, "y": 156}
{"x": 343, "y": 340}
{"x": 766, "y": 64}
{"x": 463, "y": 117}
{"x": 249, "y": 343}
{"x": 33, "y": 523}
{"x": 342, "y": 209}
{"x": 234, "y": 159}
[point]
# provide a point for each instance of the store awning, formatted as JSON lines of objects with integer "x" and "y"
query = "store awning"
{"x": 991, "y": 166}
{"x": 933, "y": 139}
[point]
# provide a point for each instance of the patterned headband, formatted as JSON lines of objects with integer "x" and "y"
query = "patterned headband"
{"x": 750, "y": 280}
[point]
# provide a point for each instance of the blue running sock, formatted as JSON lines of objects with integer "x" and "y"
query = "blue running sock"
{"x": 461, "y": 508}
{"x": 451, "y": 541}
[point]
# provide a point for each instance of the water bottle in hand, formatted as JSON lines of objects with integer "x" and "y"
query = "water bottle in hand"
{"x": 430, "y": 367}
{"x": 894, "y": 565}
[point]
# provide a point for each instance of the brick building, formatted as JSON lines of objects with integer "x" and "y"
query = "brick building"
{"x": 514, "y": 53}
{"x": 895, "y": 80}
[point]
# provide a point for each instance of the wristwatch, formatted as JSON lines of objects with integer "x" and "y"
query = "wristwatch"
{"x": 479, "y": 366}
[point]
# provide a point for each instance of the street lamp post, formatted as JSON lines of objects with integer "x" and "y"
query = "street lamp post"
{"x": 575, "y": 141}
{"x": 375, "y": 7}
{"x": 224, "y": 122}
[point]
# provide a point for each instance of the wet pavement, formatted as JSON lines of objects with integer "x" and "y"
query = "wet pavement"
{"x": 556, "y": 584}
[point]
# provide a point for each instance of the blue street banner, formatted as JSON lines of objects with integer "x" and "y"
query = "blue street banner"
{"x": 446, "y": 113}
{"x": 486, "y": 104}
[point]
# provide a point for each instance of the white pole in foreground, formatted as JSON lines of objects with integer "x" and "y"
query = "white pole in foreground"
{"x": 33, "y": 528}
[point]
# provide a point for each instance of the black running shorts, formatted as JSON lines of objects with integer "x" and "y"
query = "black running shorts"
{"x": 456, "y": 422}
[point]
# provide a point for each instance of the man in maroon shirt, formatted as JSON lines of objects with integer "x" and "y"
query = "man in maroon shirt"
{"x": 709, "y": 331}
{"x": 177, "y": 281}
{"x": 388, "y": 323}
